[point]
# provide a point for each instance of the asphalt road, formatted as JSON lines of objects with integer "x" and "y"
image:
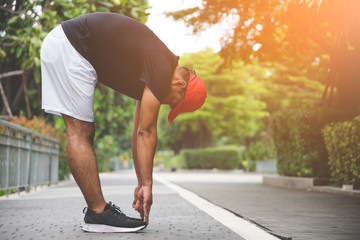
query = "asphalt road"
{"x": 294, "y": 214}
{"x": 56, "y": 213}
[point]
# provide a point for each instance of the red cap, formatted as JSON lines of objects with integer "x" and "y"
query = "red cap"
{"x": 193, "y": 100}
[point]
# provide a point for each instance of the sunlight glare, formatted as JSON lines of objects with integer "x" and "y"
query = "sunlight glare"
{"x": 257, "y": 46}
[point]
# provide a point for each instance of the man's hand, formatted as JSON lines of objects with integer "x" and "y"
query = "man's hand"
{"x": 135, "y": 195}
{"x": 144, "y": 201}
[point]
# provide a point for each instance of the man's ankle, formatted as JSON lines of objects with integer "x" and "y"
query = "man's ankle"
{"x": 98, "y": 209}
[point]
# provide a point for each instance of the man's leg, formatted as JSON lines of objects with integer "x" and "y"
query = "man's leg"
{"x": 82, "y": 161}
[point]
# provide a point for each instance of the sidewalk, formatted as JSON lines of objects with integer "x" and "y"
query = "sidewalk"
{"x": 290, "y": 213}
{"x": 177, "y": 213}
{"x": 56, "y": 213}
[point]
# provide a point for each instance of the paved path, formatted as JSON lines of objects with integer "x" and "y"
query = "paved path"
{"x": 289, "y": 213}
{"x": 56, "y": 213}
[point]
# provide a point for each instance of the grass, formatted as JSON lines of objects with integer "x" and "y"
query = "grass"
{"x": 11, "y": 191}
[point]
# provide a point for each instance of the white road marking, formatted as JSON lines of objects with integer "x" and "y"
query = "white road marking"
{"x": 243, "y": 228}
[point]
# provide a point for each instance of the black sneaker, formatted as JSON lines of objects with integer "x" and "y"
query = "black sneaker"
{"x": 111, "y": 220}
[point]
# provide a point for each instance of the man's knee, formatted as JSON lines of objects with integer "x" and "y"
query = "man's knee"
{"x": 78, "y": 128}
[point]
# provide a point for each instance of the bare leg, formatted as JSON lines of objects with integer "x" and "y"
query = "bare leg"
{"x": 82, "y": 161}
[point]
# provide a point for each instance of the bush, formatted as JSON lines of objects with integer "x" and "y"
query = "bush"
{"x": 39, "y": 125}
{"x": 106, "y": 148}
{"x": 208, "y": 158}
{"x": 299, "y": 142}
{"x": 174, "y": 162}
{"x": 343, "y": 145}
{"x": 259, "y": 150}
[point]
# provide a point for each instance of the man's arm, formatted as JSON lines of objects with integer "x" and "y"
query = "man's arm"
{"x": 146, "y": 141}
{"x": 134, "y": 141}
{"x": 134, "y": 150}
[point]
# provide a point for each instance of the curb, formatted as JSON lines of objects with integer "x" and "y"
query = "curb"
{"x": 309, "y": 184}
{"x": 335, "y": 190}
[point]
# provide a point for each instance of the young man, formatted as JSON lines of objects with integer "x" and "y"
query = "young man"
{"x": 125, "y": 55}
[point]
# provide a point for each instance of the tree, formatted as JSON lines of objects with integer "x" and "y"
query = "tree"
{"x": 292, "y": 32}
{"x": 231, "y": 111}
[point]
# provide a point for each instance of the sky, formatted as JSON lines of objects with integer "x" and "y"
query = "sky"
{"x": 176, "y": 36}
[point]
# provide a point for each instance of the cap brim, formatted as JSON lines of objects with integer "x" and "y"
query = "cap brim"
{"x": 176, "y": 111}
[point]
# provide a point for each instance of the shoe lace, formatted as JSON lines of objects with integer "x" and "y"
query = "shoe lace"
{"x": 116, "y": 209}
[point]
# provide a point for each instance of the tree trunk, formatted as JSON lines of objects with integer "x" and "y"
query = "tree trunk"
{"x": 346, "y": 63}
{"x": 18, "y": 96}
{"x": 349, "y": 81}
{"x": 5, "y": 101}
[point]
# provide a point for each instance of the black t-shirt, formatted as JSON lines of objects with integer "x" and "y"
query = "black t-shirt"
{"x": 124, "y": 52}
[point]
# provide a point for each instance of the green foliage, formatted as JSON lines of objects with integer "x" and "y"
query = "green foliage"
{"x": 286, "y": 88}
{"x": 240, "y": 102}
{"x": 342, "y": 141}
{"x": 230, "y": 113}
{"x": 39, "y": 125}
{"x": 259, "y": 150}
{"x": 125, "y": 157}
{"x": 249, "y": 165}
{"x": 208, "y": 158}
{"x": 299, "y": 143}
{"x": 114, "y": 114}
{"x": 174, "y": 162}
{"x": 106, "y": 148}
{"x": 10, "y": 191}
{"x": 297, "y": 33}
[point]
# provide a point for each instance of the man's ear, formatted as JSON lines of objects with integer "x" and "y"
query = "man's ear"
{"x": 179, "y": 83}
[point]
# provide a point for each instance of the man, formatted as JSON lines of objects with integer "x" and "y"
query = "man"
{"x": 125, "y": 55}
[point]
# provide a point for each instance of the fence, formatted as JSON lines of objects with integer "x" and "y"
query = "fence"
{"x": 27, "y": 159}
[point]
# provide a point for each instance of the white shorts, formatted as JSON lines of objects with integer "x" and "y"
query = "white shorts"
{"x": 68, "y": 79}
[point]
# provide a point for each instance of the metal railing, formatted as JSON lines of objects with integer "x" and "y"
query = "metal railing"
{"x": 27, "y": 159}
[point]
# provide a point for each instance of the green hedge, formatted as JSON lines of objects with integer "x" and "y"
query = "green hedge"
{"x": 209, "y": 158}
{"x": 343, "y": 144}
{"x": 259, "y": 150}
{"x": 176, "y": 161}
{"x": 299, "y": 142}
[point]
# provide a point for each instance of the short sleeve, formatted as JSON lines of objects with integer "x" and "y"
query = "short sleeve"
{"x": 157, "y": 73}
